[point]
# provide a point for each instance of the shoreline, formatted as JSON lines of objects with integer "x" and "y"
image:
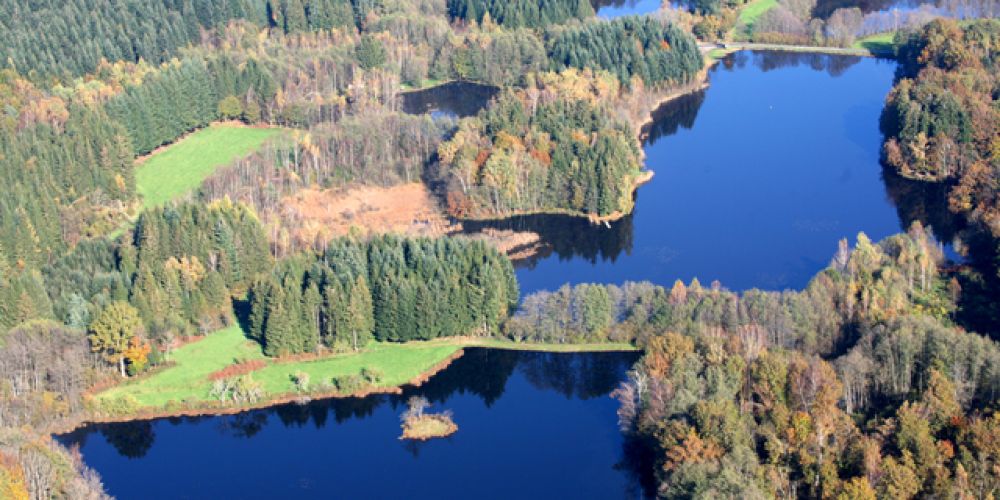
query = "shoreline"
{"x": 214, "y": 409}
{"x": 643, "y": 177}
{"x": 730, "y": 47}
{"x": 697, "y": 84}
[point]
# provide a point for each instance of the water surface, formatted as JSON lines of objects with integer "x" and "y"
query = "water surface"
{"x": 531, "y": 425}
{"x": 757, "y": 178}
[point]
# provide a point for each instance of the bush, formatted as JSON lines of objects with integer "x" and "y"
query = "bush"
{"x": 301, "y": 381}
{"x": 348, "y": 384}
{"x": 118, "y": 406}
{"x": 372, "y": 375}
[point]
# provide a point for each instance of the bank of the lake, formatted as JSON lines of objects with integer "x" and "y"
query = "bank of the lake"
{"x": 184, "y": 385}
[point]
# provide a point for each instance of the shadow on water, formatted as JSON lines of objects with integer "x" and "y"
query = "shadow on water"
{"x": 765, "y": 61}
{"x": 566, "y": 237}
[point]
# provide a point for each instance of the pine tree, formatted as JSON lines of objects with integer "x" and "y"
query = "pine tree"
{"x": 360, "y": 313}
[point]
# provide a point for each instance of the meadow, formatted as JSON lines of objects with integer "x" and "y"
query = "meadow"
{"x": 179, "y": 168}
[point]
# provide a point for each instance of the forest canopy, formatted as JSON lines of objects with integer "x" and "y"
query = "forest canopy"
{"x": 521, "y": 156}
{"x": 388, "y": 289}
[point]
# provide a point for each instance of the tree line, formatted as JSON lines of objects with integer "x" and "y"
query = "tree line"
{"x": 643, "y": 47}
{"x": 386, "y": 288}
{"x": 520, "y": 13}
{"x": 190, "y": 94}
{"x": 78, "y": 34}
{"x": 809, "y": 22}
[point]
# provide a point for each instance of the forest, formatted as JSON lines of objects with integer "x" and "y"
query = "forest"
{"x": 536, "y": 156}
{"x": 861, "y": 384}
{"x": 628, "y": 47}
{"x": 942, "y": 127}
{"x": 388, "y": 288}
{"x": 520, "y": 13}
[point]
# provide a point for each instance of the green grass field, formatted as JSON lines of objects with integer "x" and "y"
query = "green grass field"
{"x": 181, "y": 167}
{"x": 752, "y": 12}
{"x": 187, "y": 380}
{"x": 879, "y": 43}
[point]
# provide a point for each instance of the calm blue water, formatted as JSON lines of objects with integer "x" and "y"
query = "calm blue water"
{"x": 757, "y": 178}
{"x": 531, "y": 425}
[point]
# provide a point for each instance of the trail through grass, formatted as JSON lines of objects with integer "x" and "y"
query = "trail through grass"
{"x": 181, "y": 167}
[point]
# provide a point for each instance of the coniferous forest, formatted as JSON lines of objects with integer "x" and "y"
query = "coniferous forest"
{"x": 877, "y": 380}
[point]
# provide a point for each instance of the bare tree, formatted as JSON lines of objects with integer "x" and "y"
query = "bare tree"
{"x": 416, "y": 407}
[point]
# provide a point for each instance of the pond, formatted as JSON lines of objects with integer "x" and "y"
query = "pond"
{"x": 452, "y": 100}
{"x": 531, "y": 425}
{"x": 610, "y": 9}
{"x": 757, "y": 178}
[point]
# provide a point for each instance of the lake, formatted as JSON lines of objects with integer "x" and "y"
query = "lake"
{"x": 531, "y": 425}
{"x": 757, "y": 178}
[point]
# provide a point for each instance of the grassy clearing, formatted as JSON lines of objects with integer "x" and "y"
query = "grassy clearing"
{"x": 181, "y": 167}
{"x": 878, "y": 43}
{"x": 716, "y": 54}
{"x": 752, "y": 12}
{"x": 187, "y": 381}
{"x": 398, "y": 363}
{"x": 193, "y": 363}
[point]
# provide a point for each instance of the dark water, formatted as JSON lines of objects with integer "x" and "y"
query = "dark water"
{"x": 453, "y": 100}
{"x": 531, "y": 425}
{"x": 757, "y": 178}
{"x": 610, "y": 9}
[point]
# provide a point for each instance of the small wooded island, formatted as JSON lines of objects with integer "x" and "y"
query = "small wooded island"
{"x": 189, "y": 225}
{"x": 421, "y": 426}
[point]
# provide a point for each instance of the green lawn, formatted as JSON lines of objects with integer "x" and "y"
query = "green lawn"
{"x": 182, "y": 167}
{"x": 752, "y": 12}
{"x": 187, "y": 380}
